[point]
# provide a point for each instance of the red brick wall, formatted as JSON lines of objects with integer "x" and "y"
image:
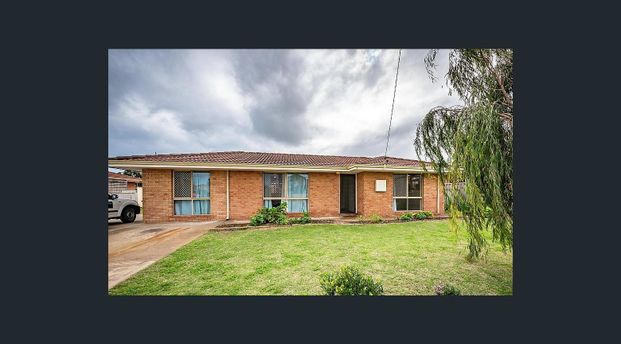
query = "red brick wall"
{"x": 157, "y": 197}
{"x": 430, "y": 195}
{"x": 373, "y": 202}
{"x": 323, "y": 194}
{"x": 246, "y": 195}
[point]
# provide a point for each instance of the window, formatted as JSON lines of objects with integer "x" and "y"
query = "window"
{"x": 407, "y": 192}
{"x": 191, "y": 193}
{"x": 286, "y": 187}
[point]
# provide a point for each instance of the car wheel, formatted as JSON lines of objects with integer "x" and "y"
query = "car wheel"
{"x": 128, "y": 215}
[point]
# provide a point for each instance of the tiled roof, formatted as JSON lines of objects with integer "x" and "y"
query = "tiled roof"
{"x": 282, "y": 159}
{"x": 119, "y": 176}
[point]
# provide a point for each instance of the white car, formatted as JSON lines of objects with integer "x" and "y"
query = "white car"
{"x": 124, "y": 209}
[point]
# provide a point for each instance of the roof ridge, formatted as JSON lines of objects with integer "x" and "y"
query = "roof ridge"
{"x": 308, "y": 154}
{"x": 250, "y": 152}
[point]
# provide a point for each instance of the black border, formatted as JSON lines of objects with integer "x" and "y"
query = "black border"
{"x": 57, "y": 71}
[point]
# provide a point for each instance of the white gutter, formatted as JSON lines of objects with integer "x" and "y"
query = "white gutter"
{"x": 228, "y": 209}
{"x": 216, "y": 167}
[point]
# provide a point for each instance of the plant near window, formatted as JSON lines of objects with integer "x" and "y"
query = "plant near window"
{"x": 473, "y": 143}
{"x": 348, "y": 280}
{"x": 257, "y": 220}
{"x": 406, "y": 217}
{"x": 447, "y": 290}
{"x": 423, "y": 215}
{"x": 276, "y": 215}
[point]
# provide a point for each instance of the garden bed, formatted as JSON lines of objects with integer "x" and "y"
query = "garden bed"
{"x": 353, "y": 221}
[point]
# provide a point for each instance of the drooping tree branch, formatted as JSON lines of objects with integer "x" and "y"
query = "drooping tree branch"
{"x": 471, "y": 146}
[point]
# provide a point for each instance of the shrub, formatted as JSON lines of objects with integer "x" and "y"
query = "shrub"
{"x": 305, "y": 217}
{"x": 301, "y": 220}
{"x": 406, "y": 217}
{"x": 349, "y": 281}
{"x": 375, "y": 218}
{"x": 421, "y": 216}
{"x": 447, "y": 290}
{"x": 277, "y": 215}
{"x": 257, "y": 220}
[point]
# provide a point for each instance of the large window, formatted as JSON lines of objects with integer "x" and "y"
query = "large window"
{"x": 191, "y": 193}
{"x": 407, "y": 192}
{"x": 286, "y": 187}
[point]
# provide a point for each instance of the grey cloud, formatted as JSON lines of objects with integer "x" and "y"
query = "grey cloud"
{"x": 271, "y": 78}
{"x": 164, "y": 81}
{"x": 172, "y": 100}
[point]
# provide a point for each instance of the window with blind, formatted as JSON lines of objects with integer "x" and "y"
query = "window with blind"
{"x": 286, "y": 187}
{"x": 191, "y": 193}
{"x": 407, "y": 192}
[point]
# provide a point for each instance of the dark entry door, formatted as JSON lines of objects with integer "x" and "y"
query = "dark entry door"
{"x": 348, "y": 193}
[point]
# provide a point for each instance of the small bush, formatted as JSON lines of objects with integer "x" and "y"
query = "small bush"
{"x": 277, "y": 215}
{"x": 406, "y": 217}
{"x": 301, "y": 220}
{"x": 447, "y": 290}
{"x": 421, "y": 216}
{"x": 349, "y": 281}
{"x": 257, "y": 220}
{"x": 305, "y": 217}
{"x": 375, "y": 218}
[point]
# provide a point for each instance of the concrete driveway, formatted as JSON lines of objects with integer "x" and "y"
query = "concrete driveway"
{"x": 134, "y": 246}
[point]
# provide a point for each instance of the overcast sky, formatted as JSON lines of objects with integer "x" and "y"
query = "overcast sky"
{"x": 289, "y": 101}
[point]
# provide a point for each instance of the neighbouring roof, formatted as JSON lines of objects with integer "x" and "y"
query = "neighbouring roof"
{"x": 279, "y": 159}
{"x": 120, "y": 176}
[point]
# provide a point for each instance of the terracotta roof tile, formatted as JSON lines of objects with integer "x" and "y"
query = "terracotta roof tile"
{"x": 287, "y": 159}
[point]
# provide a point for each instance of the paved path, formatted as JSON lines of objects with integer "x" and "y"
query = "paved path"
{"x": 134, "y": 246}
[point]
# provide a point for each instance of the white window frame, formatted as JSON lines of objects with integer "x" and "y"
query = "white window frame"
{"x": 407, "y": 191}
{"x": 191, "y": 199}
{"x": 285, "y": 188}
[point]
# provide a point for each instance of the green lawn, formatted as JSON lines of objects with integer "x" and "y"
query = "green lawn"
{"x": 409, "y": 258}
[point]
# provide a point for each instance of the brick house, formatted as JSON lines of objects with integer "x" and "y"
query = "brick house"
{"x": 119, "y": 182}
{"x": 234, "y": 185}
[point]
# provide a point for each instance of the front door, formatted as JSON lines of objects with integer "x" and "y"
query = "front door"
{"x": 348, "y": 193}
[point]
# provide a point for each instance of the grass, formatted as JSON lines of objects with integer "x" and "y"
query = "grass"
{"x": 409, "y": 258}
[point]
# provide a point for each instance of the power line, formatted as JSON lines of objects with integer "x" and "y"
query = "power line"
{"x": 392, "y": 109}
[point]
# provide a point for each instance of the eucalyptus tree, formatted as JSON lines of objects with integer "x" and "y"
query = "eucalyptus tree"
{"x": 471, "y": 146}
